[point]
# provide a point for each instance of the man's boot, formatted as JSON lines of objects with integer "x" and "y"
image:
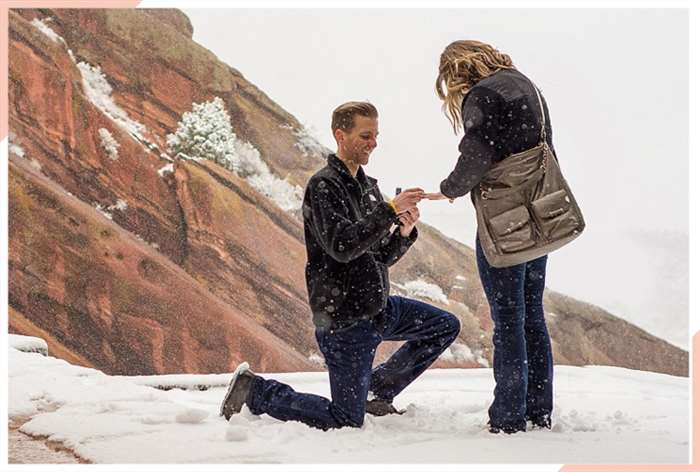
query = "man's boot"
{"x": 238, "y": 393}
{"x": 378, "y": 407}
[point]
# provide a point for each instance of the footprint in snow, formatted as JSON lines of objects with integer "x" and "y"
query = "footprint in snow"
{"x": 155, "y": 420}
{"x": 236, "y": 433}
{"x": 191, "y": 416}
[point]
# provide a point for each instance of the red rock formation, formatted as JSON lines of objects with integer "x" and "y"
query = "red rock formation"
{"x": 102, "y": 292}
{"x": 233, "y": 241}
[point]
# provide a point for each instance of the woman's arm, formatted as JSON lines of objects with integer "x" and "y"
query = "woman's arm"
{"x": 480, "y": 113}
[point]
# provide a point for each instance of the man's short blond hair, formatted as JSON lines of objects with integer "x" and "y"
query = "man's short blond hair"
{"x": 344, "y": 115}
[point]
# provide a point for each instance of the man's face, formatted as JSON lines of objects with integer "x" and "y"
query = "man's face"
{"x": 357, "y": 144}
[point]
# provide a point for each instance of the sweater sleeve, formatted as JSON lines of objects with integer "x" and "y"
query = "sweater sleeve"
{"x": 396, "y": 246}
{"x": 480, "y": 113}
{"x": 340, "y": 237}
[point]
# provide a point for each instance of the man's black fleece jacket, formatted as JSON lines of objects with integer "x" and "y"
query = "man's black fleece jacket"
{"x": 349, "y": 245}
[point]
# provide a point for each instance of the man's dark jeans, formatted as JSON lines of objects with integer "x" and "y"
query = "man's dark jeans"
{"x": 349, "y": 353}
{"x": 522, "y": 357}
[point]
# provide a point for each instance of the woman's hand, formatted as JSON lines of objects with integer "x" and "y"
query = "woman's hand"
{"x": 437, "y": 196}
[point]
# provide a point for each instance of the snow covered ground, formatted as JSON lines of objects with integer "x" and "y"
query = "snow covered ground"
{"x": 603, "y": 415}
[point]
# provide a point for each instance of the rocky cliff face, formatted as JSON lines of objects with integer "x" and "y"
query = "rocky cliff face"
{"x": 133, "y": 260}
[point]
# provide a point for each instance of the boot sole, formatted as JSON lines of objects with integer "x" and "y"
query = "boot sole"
{"x": 397, "y": 412}
{"x": 242, "y": 367}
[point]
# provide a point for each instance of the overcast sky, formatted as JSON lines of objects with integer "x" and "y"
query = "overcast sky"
{"x": 616, "y": 82}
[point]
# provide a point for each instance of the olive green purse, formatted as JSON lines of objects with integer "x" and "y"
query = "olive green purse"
{"x": 524, "y": 207}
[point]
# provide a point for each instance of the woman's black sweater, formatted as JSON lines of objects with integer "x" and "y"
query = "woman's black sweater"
{"x": 501, "y": 116}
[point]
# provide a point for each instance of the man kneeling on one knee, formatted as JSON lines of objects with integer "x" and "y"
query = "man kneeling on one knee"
{"x": 352, "y": 235}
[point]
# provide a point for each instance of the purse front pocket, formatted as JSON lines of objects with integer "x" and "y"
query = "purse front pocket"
{"x": 512, "y": 230}
{"x": 555, "y": 215}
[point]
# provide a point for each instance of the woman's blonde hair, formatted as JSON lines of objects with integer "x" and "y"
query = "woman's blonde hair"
{"x": 463, "y": 64}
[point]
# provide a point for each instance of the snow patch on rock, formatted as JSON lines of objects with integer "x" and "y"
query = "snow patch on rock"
{"x": 170, "y": 168}
{"x": 99, "y": 92}
{"x": 28, "y": 344}
{"x": 109, "y": 144}
{"x": 120, "y": 205}
{"x": 46, "y": 29}
{"x": 41, "y": 25}
{"x": 317, "y": 360}
{"x": 457, "y": 352}
{"x": 422, "y": 289}
{"x": 307, "y": 142}
{"x": 16, "y": 149}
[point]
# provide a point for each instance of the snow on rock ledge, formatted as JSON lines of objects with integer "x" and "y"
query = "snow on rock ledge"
{"x": 99, "y": 92}
{"x": 422, "y": 289}
{"x": 458, "y": 352}
{"x": 28, "y": 344}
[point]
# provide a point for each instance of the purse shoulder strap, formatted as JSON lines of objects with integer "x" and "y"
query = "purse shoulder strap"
{"x": 543, "y": 133}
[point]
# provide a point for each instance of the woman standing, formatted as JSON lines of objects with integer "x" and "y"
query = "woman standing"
{"x": 499, "y": 110}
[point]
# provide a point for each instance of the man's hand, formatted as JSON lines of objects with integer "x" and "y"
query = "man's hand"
{"x": 437, "y": 196}
{"x": 408, "y": 199}
{"x": 408, "y": 219}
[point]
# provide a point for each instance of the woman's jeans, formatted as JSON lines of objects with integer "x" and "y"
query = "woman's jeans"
{"x": 349, "y": 353}
{"x": 522, "y": 356}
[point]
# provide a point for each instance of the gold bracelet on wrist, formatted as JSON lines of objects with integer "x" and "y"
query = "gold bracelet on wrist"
{"x": 393, "y": 206}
